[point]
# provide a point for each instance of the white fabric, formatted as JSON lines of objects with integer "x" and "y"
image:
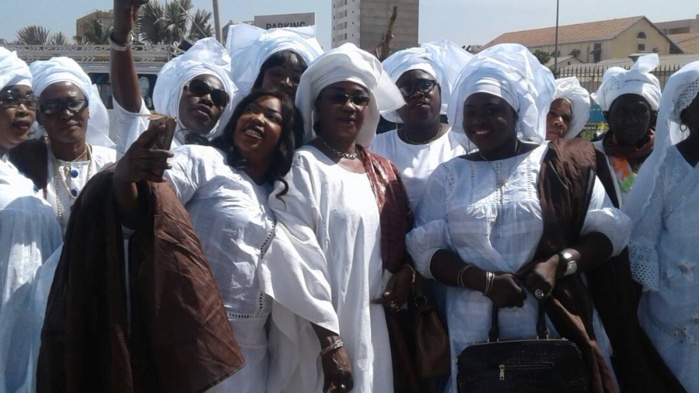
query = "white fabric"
{"x": 416, "y": 162}
{"x": 251, "y": 46}
{"x": 233, "y": 223}
{"x": 687, "y": 96}
{"x": 65, "y": 69}
{"x": 617, "y": 81}
{"x": 56, "y": 190}
{"x": 324, "y": 267}
{"x": 128, "y": 126}
{"x": 570, "y": 89}
{"x": 667, "y": 134}
{"x": 13, "y": 70}
{"x": 348, "y": 63}
{"x": 443, "y": 60}
{"x": 28, "y": 235}
{"x": 664, "y": 260}
{"x": 520, "y": 77}
{"x": 489, "y": 214}
{"x": 206, "y": 57}
{"x": 621, "y": 197}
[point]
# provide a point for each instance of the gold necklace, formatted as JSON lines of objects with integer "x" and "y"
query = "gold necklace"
{"x": 349, "y": 156}
{"x": 432, "y": 139}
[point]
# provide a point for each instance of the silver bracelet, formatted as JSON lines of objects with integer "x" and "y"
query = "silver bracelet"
{"x": 335, "y": 345}
{"x": 115, "y": 46}
{"x": 489, "y": 278}
{"x": 460, "y": 276}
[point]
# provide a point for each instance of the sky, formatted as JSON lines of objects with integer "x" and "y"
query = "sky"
{"x": 462, "y": 21}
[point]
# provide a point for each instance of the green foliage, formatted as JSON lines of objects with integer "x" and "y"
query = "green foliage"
{"x": 542, "y": 56}
{"x": 96, "y": 33}
{"x": 39, "y": 35}
{"x": 170, "y": 22}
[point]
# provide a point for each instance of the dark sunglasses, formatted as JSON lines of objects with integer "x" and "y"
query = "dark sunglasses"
{"x": 341, "y": 99}
{"x": 424, "y": 86}
{"x": 11, "y": 99}
{"x": 55, "y": 106}
{"x": 199, "y": 88}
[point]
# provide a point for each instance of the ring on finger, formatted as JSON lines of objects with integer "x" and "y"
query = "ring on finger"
{"x": 342, "y": 387}
{"x": 539, "y": 294}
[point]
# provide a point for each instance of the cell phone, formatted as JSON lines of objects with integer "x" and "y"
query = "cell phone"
{"x": 164, "y": 140}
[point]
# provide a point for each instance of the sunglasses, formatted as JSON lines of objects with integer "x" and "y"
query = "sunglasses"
{"x": 55, "y": 106}
{"x": 341, "y": 99}
{"x": 424, "y": 86}
{"x": 11, "y": 99}
{"x": 199, "y": 88}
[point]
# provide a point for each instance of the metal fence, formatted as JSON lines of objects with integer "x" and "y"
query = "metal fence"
{"x": 590, "y": 77}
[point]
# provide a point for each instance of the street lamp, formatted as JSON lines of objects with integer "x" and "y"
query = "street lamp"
{"x": 555, "y": 49}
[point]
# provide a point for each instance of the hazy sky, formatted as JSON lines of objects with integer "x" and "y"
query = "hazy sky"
{"x": 462, "y": 21}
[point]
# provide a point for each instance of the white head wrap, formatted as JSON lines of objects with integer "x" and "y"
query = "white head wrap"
{"x": 570, "y": 89}
{"x": 64, "y": 69}
{"x": 13, "y": 70}
{"x": 206, "y": 57}
{"x": 637, "y": 80}
{"x": 251, "y": 46}
{"x": 667, "y": 134}
{"x": 443, "y": 60}
{"x": 511, "y": 72}
{"x": 348, "y": 63}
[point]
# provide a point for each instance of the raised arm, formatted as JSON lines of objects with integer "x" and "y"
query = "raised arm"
{"x": 122, "y": 73}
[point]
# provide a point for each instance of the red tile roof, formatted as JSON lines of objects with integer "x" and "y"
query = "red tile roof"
{"x": 581, "y": 32}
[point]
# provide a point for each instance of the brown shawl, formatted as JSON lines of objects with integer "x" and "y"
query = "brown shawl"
{"x": 176, "y": 337}
{"x": 396, "y": 220}
{"x": 565, "y": 185}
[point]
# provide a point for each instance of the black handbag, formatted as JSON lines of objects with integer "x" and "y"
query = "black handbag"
{"x": 524, "y": 366}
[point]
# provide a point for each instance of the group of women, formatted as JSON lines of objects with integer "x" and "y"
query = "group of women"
{"x": 314, "y": 229}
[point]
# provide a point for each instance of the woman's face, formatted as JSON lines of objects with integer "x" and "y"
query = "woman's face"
{"x": 259, "y": 128}
{"x": 17, "y": 114}
{"x": 489, "y": 121}
{"x": 558, "y": 119}
{"x": 422, "y": 95}
{"x": 64, "y": 112}
{"x": 341, "y": 108}
{"x": 203, "y": 100}
{"x": 284, "y": 77}
{"x": 629, "y": 118}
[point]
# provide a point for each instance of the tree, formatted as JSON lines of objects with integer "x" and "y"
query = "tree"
{"x": 542, "y": 56}
{"x": 170, "y": 22}
{"x": 95, "y": 33}
{"x": 39, "y": 35}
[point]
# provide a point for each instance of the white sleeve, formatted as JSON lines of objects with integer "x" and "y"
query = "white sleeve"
{"x": 186, "y": 174}
{"x": 431, "y": 232}
{"x": 128, "y": 126}
{"x": 603, "y": 217}
{"x": 644, "y": 239}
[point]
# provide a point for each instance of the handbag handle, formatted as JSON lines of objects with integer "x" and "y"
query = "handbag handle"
{"x": 542, "y": 332}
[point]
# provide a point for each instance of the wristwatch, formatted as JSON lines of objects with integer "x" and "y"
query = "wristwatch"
{"x": 568, "y": 259}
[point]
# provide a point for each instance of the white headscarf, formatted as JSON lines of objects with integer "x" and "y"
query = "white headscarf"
{"x": 443, "y": 60}
{"x": 348, "y": 63}
{"x": 64, "y": 69}
{"x": 569, "y": 89}
{"x": 206, "y": 57}
{"x": 13, "y": 70}
{"x": 667, "y": 134}
{"x": 511, "y": 72}
{"x": 637, "y": 80}
{"x": 251, "y": 46}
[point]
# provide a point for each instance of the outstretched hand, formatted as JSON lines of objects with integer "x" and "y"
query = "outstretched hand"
{"x": 141, "y": 161}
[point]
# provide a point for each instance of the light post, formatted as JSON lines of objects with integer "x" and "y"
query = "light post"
{"x": 217, "y": 23}
{"x": 555, "y": 48}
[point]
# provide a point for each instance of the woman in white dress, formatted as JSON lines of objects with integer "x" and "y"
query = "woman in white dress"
{"x": 76, "y": 124}
{"x": 329, "y": 269}
{"x": 663, "y": 207}
{"x": 225, "y": 190}
{"x": 480, "y": 219}
{"x": 425, "y": 77}
{"x": 194, "y": 87}
{"x": 29, "y": 232}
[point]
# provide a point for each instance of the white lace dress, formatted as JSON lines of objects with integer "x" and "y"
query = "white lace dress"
{"x": 488, "y": 212}
{"x": 233, "y": 224}
{"x": 665, "y": 260}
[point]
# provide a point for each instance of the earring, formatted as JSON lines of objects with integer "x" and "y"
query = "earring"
{"x": 683, "y": 127}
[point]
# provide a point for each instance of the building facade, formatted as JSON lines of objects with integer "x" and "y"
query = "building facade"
{"x": 104, "y": 18}
{"x": 365, "y": 22}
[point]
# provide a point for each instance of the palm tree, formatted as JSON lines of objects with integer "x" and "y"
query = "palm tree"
{"x": 170, "y": 22}
{"x": 32, "y": 35}
{"x": 59, "y": 39}
{"x": 95, "y": 33}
